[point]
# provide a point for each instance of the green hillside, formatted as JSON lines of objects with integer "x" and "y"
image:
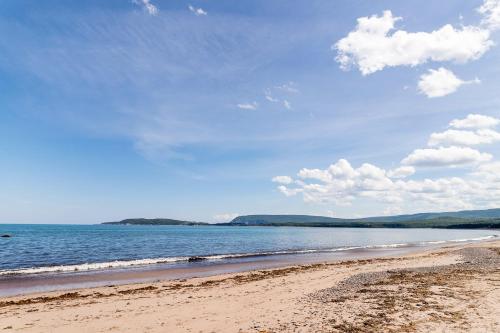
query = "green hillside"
{"x": 470, "y": 219}
{"x": 158, "y": 221}
{"x": 489, "y": 219}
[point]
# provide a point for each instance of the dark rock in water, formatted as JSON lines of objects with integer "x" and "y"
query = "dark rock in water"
{"x": 194, "y": 259}
{"x": 5, "y": 236}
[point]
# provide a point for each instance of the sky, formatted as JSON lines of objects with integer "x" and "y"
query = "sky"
{"x": 205, "y": 110}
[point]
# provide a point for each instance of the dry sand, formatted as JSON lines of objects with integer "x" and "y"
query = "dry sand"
{"x": 452, "y": 289}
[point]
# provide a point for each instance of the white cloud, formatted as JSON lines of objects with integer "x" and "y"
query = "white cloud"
{"x": 282, "y": 180}
{"x": 375, "y": 44}
{"x": 464, "y": 138}
{"x": 342, "y": 184}
{"x": 481, "y": 190}
{"x": 197, "y": 11}
{"x": 148, "y": 6}
{"x": 440, "y": 82}
{"x": 342, "y": 169}
{"x": 288, "y": 191}
{"x": 401, "y": 172}
{"x": 475, "y": 121}
{"x": 445, "y": 156}
{"x": 317, "y": 174}
{"x": 370, "y": 171}
{"x": 491, "y": 14}
{"x": 248, "y": 106}
{"x": 225, "y": 217}
{"x": 490, "y": 171}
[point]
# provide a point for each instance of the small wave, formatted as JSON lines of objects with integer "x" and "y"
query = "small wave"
{"x": 152, "y": 261}
{"x": 92, "y": 266}
{"x": 459, "y": 240}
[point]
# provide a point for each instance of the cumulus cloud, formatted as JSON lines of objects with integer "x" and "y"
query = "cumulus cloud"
{"x": 464, "y": 138}
{"x": 148, "y": 6}
{"x": 445, "y": 156}
{"x": 316, "y": 174}
{"x": 401, "y": 172}
{"x": 341, "y": 183}
{"x": 225, "y": 217}
{"x": 489, "y": 171}
{"x": 435, "y": 194}
{"x": 473, "y": 130}
{"x": 282, "y": 180}
{"x": 396, "y": 189}
{"x": 289, "y": 191}
{"x": 441, "y": 82}
{"x": 248, "y": 106}
{"x": 475, "y": 121}
{"x": 375, "y": 44}
{"x": 197, "y": 11}
{"x": 491, "y": 14}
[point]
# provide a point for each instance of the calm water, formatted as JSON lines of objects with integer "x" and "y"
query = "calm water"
{"x": 51, "y": 248}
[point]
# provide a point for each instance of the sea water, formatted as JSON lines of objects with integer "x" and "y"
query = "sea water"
{"x": 39, "y": 249}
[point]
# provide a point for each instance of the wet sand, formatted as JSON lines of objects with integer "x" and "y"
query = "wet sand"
{"x": 456, "y": 288}
{"x": 12, "y": 285}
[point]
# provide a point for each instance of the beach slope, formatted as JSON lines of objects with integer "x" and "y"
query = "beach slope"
{"x": 450, "y": 289}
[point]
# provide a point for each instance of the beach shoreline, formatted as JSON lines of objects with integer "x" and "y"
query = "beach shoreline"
{"x": 25, "y": 284}
{"x": 437, "y": 284}
{"x": 29, "y": 280}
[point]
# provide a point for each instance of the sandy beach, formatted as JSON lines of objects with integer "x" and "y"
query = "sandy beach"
{"x": 455, "y": 288}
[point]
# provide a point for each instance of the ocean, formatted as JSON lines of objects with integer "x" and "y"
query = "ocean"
{"x": 59, "y": 249}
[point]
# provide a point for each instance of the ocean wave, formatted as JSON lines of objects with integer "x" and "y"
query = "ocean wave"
{"x": 152, "y": 261}
{"x": 461, "y": 240}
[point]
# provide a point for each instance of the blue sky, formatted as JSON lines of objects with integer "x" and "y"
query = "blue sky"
{"x": 116, "y": 109}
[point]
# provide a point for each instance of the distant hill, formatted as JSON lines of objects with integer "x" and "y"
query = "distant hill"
{"x": 142, "y": 221}
{"x": 467, "y": 219}
{"x": 464, "y": 214}
{"x": 489, "y": 219}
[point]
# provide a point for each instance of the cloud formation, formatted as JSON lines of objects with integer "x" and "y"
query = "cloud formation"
{"x": 148, "y": 6}
{"x": 475, "y": 121}
{"x": 197, "y": 11}
{"x": 248, "y": 106}
{"x": 464, "y": 138}
{"x": 445, "y": 156}
{"x": 491, "y": 14}
{"x": 440, "y": 82}
{"x": 342, "y": 184}
{"x": 282, "y": 180}
{"x": 401, "y": 172}
{"x": 473, "y": 130}
{"x": 375, "y": 44}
